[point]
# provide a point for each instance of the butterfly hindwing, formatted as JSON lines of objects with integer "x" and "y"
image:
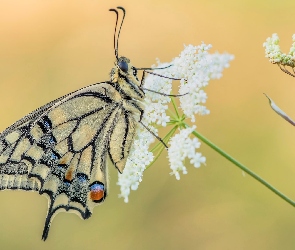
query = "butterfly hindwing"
{"x": 121, "y": 140}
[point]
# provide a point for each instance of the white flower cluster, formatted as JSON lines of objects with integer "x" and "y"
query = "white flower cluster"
{"x": 292, "y": 49}
{"x": 181, "y": 147}
{"x": 139, "y": 158}
{"x": 274, "y": 53}
{"x": 195, "y": 66}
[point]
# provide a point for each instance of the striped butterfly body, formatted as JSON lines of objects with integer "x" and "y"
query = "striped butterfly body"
{"x": 60, "y": 150}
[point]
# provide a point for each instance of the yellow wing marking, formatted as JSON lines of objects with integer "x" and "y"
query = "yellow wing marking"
{"x": 35, "y": 152}
{"x": 12, "y": 137}
{"x": 85, "y": 161}
{"x": 20, "y": 149}
{"x": 63, "y": 131}
{"x": 74, "y": 108}
{"x": 40, "y": 170}
{"x": 121, "y": 140}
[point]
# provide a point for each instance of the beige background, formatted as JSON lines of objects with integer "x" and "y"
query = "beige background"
{"x": 49, "y": 48}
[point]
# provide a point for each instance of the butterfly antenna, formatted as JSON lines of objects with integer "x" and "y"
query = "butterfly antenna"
{"x": 160, "y": 93}
{"x": 115, "y": 45}
{"x": 166, "y": 67}
{"x": 124, "y": 14}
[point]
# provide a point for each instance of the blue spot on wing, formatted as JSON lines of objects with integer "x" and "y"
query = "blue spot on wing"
{"x": 97, "y": 187}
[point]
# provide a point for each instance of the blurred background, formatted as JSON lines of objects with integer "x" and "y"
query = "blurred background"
{"x": 50, "y": 48}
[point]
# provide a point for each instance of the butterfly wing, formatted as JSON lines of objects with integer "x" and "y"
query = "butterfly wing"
{"x": 60, "y": 150}
{"x": 121, "y": 139}
{"x": 14, "y": 141}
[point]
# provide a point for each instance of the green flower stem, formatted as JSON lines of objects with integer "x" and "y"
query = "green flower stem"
{"x": 245, "y": 169}
{"x": 160, "y": 146}
{"x": 174, "y": 106}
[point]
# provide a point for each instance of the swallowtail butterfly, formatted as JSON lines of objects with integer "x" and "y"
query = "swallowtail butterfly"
{"x": 60, "y": 150}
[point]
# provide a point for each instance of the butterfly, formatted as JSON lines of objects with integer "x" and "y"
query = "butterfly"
{"x": 61, "y": 149}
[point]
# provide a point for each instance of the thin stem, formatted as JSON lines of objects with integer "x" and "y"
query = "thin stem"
{"x": 174, "y": 106}
{"x": 241, "y": 166}
{"x": 174, "y": 119}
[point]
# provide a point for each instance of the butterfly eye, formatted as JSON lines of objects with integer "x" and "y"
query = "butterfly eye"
{"x": 123, "y": 66}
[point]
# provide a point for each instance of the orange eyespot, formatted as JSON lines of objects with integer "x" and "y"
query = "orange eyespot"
{"x": 97, "y": 192}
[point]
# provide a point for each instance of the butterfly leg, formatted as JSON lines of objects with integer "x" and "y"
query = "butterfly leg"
{"x": 159, "y": 138}
{"x": 142, "y": 78}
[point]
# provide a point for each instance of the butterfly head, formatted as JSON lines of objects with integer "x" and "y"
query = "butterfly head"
{"x": 124, "y": 76}
{"x": 127, "y": 69}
